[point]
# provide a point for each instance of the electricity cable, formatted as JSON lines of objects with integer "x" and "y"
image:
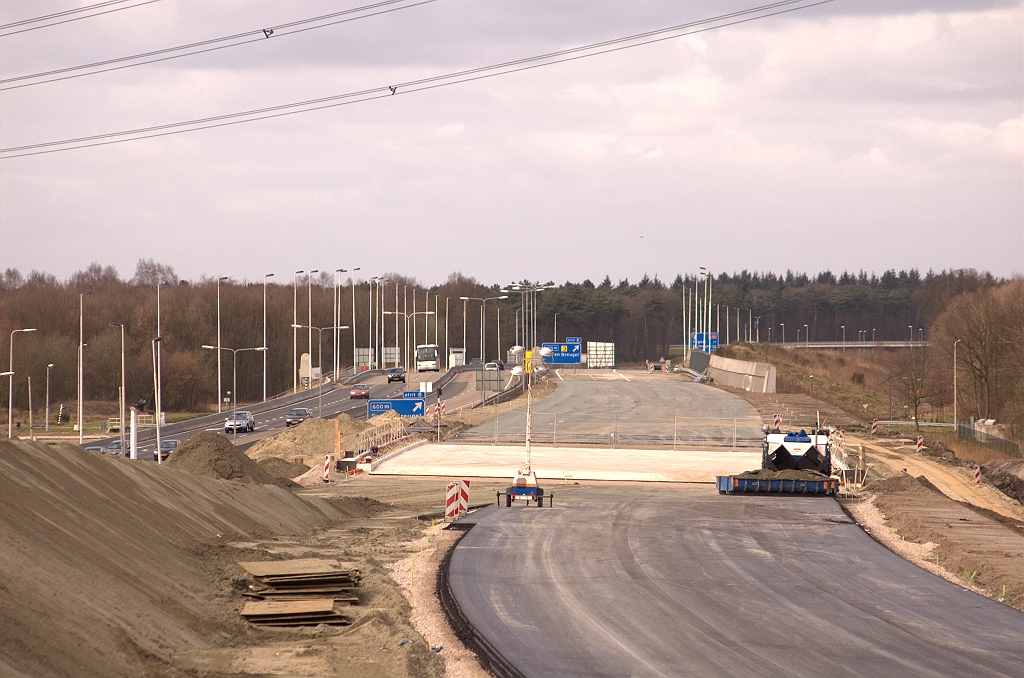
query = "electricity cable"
{"x": 258, "y": 35}
{"x": 407, "y": 87}
{"x": 58, "y": 15}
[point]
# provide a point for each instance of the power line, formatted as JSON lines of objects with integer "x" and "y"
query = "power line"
{"x": 408, "y": 87}
{"x": 258, "y": 35}
{"x": 58, "y": 15}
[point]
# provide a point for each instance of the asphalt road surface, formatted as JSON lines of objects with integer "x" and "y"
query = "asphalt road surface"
{"x": 678, "y": 581}
{"x": 639, "y": 408}
{"x": 335, "y": 401}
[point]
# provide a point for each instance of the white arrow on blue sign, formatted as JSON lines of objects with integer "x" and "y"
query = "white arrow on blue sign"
{"x": 412, "y": 407}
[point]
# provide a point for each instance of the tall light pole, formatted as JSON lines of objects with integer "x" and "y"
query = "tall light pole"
{"x": 555, "y": 333}
{"x": 352, "y": 280}
{"x": 121, "y": 400}
{"x": 844, "y": 338}
{"x": 234, "y": 385}
{"x": 81, "y": 352}
{"x": 10, "y": 376}
{"x": 295, "y": 332}
{"x": 807, "y": 335}
{"x": 268, "y": 275}
{"x": 309, "y": 305}
{"x": 911, "y": 336}
{"x": 956, "y": 422}
{"x": 319, "y": 358}
{"x": 48, "y": 368}
{"x": 156, "y": 403}
{"x": 219, "y": 388}
{"x": 783, "y": 326}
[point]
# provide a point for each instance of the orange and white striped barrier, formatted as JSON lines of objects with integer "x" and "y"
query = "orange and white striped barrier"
{"x": 920, "y": 444}
{"x": 874, "y": 427}
{"x": 451, "y": 501}
{"x": 776, "y": 421}
{"x": 977, "y": 475}
{"x": 463, "y": 496}
{"x": 327, "y": 468}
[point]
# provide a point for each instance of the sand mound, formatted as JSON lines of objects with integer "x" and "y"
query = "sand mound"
{"x": 279, "y": 468}
{"x": 901, "y": 482}
{"x": 1007, "y": 475}
{"x": 310, "y": 441}
{"x": 211, "y": 454}
{"x": 793, "y": 474}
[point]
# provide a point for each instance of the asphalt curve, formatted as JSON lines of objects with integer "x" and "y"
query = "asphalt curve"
{"x": 681, "y": 581}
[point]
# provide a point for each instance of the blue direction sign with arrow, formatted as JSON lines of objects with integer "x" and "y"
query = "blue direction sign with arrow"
{"x": 412, "y": 407}
{"x": 413, "y": 394}
{"x": 564, "y": 354}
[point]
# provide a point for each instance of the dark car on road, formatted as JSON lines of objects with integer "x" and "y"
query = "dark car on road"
{"x": 396, "y": 374}
{"x": 166, "y": 447}
{"x": 297, "y": 416}
{"x": 359, "y": 391}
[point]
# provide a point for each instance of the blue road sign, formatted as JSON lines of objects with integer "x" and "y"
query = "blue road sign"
{"x": 564, "y": 354}
{"x": 704, "y": 341}
{"x": 574, "y": 340}
{"x": 413, "y": 407}
{"x": 413, "y": 394}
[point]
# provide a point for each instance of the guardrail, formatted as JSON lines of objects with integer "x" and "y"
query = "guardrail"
{"x": 382, "y": 437}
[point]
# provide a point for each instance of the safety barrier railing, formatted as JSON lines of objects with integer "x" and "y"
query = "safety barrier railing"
{"x": 971, "y": 434}
{"x": 384, "y": 436}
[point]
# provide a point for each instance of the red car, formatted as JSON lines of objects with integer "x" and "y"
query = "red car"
{"x": 359, "y": 391}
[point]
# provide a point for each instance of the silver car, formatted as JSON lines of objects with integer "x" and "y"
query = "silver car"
{"x": 239, "y": 421}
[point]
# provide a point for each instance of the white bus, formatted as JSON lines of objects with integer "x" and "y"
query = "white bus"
{"x": 427, "y": 358}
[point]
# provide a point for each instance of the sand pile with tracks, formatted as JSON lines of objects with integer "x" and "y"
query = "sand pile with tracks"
{"x": 212, "y": 455}
{"x": 309, "y": 442}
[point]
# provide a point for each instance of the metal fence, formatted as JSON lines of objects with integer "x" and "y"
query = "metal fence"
{"x": 568, "y": 430}
{"x": 970, "y": 434}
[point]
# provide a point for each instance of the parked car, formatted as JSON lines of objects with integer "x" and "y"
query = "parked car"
{"x": 240, "y": 420}
{"x": 297, "y": 416}
{"x": 359, "y": 391}
{"x": 166, "y": 447}
{"x": 396, "y": 374}
{"x": 491, "y": 367}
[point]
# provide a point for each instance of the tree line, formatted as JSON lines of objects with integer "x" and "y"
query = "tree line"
{"x": 643, "y": 319}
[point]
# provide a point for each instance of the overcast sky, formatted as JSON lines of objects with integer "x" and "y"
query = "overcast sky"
{"x": 860, "y": 134}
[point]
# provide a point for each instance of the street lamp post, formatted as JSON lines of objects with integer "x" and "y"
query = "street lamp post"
{"x": 555, "y": 339}
{"x": 783, "y": 326}
{"x": 81, "y": 355}
{"x": 295, "y": 332}
{"x": 319, "y": 358}
{"x": 911, "y": 336}
{"x": 807, "y": 335}
{"x": 268, "y": 275}
{"x": 219, "y": 387}
{"x": 234, "y": 386}
{"x": 352, "y": 281}
{"x": 309, "y": 308}
{"x": 844, "y": 338}
{"x": 48, "y": 368}
{"x": 156, "y": 405}
{"x": 10, "y": 376}
{"x": 121, "y": 400}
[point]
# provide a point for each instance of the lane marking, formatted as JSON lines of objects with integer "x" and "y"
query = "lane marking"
{"x": 559, "y": 373}
{"x": 622, "y": 375}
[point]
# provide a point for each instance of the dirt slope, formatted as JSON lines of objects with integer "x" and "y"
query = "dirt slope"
{"x": 310, "y": 441}
{"x": 212, "y": 455}
{"x": 110, "y": 567}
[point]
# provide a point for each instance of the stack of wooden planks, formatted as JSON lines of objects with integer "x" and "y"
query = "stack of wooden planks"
{"x": 300, "y": 592}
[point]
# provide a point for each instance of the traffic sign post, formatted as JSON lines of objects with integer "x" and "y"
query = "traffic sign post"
{"x": 705, "y": 341}
{"x": 564, "y": 354}
{"x": 411, "y": 407}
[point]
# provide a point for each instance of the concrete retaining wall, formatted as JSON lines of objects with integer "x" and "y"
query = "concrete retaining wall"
{"x": 750, "y": 376}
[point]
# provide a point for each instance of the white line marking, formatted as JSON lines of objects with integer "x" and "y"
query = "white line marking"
{"x": 622, "y": 375}
{"x": 559, "y": 373}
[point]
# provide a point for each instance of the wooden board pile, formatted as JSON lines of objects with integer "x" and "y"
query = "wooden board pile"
{"x": 302, "y": 592}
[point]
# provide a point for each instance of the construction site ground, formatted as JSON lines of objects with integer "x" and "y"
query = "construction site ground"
{"x": 112, "y": 567}
{"x": 975, "y": 530}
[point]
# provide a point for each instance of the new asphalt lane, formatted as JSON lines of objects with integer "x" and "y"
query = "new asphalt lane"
{"x": 673, "y": 580}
